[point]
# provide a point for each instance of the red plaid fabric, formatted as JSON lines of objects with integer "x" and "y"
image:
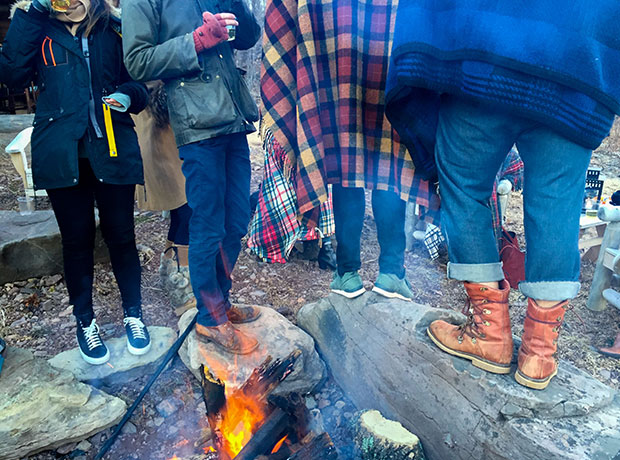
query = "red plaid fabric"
{"x": 323, "y": 82}
{"x": 275, "y": 228}
{"x": 512, "y": 170}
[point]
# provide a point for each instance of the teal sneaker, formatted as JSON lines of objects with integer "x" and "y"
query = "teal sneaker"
{"x": 348, "y": 285}
{"x": 392, "y": 287}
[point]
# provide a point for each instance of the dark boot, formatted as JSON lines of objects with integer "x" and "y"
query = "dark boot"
{"x": 327, "y": 256}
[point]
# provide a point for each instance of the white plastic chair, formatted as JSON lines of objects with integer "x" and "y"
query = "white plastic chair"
{"x": 17, "y": 151}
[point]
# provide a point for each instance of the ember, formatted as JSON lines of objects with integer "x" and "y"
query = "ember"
{"x": 278, "y": 445}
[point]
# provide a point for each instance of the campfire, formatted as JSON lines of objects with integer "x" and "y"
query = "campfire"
{"x": 250, "y": 422}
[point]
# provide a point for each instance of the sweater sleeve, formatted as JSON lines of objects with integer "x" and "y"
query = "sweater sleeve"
{"x": 20, "y": 48}
{"x": 145, "y": 58}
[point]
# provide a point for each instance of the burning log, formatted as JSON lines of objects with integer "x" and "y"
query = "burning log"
{"x": 380, "y": 439}
{"x": 264, "y": 439}
{"x": 213, "y": 392}
{"x": 235, "y": 417}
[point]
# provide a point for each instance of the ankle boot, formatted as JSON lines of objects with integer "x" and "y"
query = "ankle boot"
{"x": 327, "y": 256}
{"x": 538, "y": 362}
{"x": 485, "y": 338}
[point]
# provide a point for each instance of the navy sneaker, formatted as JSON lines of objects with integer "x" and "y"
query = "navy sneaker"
{"x": 138, "y": 339}
{"x": 92, "y": 348}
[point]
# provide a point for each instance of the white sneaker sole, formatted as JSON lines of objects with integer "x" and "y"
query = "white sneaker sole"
{"x": 390, "y": 295}
{"x": 96, "y": 361}
{"x": 138, "y": 351}
{"x": 349, "y": 295}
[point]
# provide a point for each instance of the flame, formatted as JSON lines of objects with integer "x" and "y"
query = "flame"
{"x": 209, "y": 449}
{"x": 174, "y": 457}
{"x": 241, "y": 416}
{"x": 279, "y": 444}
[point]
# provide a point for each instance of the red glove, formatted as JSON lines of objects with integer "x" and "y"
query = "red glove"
{"x": 211, "y": 33}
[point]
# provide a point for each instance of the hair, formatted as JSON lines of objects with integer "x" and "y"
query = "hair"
{"x": 99, "y": 9}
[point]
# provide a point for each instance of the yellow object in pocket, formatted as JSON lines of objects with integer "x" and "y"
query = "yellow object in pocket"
{"x": 109, "y": 129}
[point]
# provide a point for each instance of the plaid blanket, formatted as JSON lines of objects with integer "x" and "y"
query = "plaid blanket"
{"x": 323, "y": 91}
{"x": 275, "y": 228}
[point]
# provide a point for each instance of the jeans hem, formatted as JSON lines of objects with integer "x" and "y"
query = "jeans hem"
{"x": 476, "y": 273}
{"x": 550, "y": 290}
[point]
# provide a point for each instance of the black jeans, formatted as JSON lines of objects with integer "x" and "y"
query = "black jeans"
{"x": 178, "y": 232}
{"x": 74, "y": 208}
{"x": 389, "y": 212}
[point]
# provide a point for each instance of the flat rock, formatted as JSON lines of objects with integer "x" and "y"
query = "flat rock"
{"x": 13, "y": 124}
{"x": 278, "y": 338}
{"x": 379, "y": 353}
{"x": 122, "y": 366}
{"x": 30, "y": 246}
{"x": 43, "y": 408}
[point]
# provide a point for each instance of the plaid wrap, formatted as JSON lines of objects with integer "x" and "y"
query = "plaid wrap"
{"x": 275, "y": 227}
{"x": 323, "y": 91}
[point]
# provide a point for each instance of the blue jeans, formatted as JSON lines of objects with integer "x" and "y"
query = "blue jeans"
{"x": 389, "y": 211}
{"x": 217, "y": 184}
{"x": 472, "y": 141}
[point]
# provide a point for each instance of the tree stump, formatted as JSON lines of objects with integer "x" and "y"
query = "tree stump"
{"x": 378, "y": 438}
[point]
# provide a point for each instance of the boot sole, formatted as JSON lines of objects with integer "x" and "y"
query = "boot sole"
{"x": 390, "y": 295}
{"x": 349, "y": 295}
{"x": 489, "y": 366}
{"x": 535, "y": 384}
{"x": 206, "y": 340}
{"x": 138, "y": 351}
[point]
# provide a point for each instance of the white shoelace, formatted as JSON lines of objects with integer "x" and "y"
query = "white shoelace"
{"x": 91, "y": 334}
{"x": 136, "y": 327}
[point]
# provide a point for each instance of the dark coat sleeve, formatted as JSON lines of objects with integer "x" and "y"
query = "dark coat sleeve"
{"x": 20, "y": 48}
{"x": 137, "y": 92}
{"x": 248, "y": 31}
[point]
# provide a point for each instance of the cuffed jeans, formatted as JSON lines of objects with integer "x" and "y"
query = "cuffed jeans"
{"x": 472, "y": 142}
{"x": 389, "y": 211}
{"x": 217, "y": 185}
{"x": 74, "y": 208}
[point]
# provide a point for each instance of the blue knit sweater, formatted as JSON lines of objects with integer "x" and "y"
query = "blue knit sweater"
{"x": 554, "y": 61}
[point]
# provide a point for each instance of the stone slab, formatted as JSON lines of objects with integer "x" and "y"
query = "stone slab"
{"x": 43, "y": 408}
{"x": 15, "y": 123}
{"x": 30, "y": 246}
{"x": 122, "y": 366}
{"x": 278, "y": 338}
{"x": 378, "y": 351}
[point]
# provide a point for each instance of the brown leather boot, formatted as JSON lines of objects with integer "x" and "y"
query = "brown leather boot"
{"x": 538, "y": 362}
{"x": 485, "y": 338}
{"x": 228, "y": 338}
{"x": 238, "y": 314}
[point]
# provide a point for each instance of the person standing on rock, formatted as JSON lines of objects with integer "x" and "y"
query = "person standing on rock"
{"x": 323, "y": 87}
{"x": 186, "y": 44}
{"x": 84, "y": 147}
{"x": 462, "y": 87}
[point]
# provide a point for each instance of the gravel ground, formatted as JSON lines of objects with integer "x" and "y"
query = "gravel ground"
{"x": 35, "y": 314}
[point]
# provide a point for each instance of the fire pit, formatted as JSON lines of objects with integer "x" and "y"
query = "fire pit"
{"x": 249, "y": 422}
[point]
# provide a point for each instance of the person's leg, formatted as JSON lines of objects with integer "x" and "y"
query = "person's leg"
{"x": 238, "y": 214}
{"x": 204, "y": 167}
{"x": 174, "y": 269}
{"x": 349, "y": 206}
{"x": 389, "y": 212}
{"x": 555, "y": 171}
{"x": 472, "y": 142}
{"x": 75, "y": 214}
{"x": 116, "y": 220}
{"x": 237, "y": 206}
